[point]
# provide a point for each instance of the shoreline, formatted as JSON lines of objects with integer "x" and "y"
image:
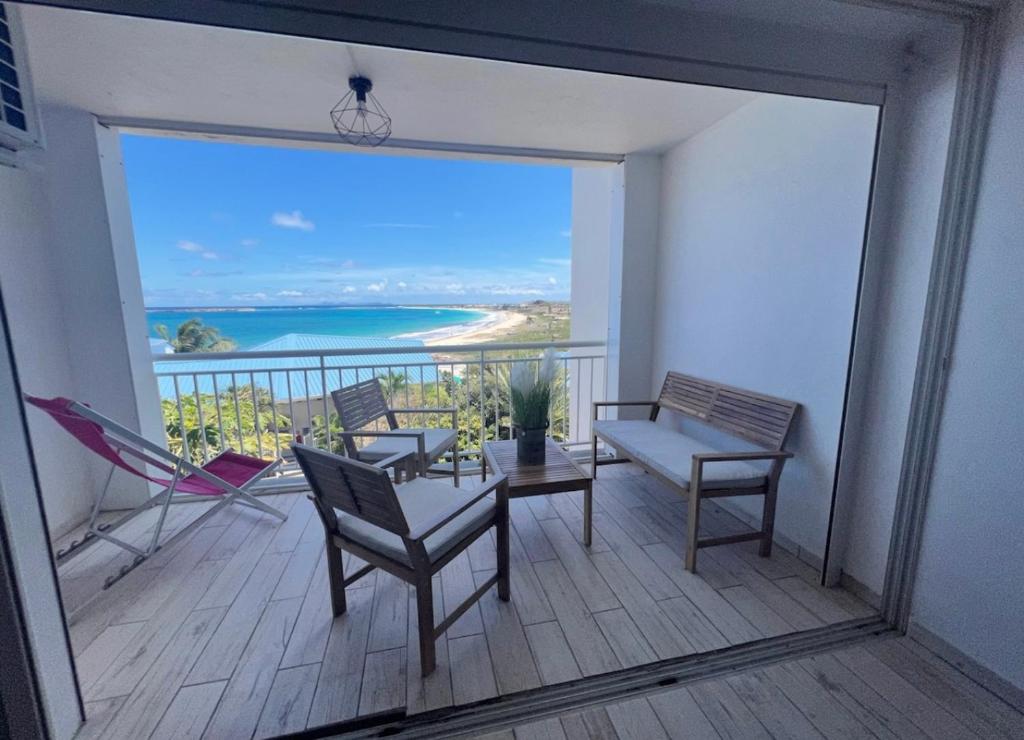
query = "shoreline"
{"x": 490, "y": 327}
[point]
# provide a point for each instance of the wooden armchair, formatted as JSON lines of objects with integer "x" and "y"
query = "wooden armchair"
{"x": 411, "y": 530}
{"x": 362, "y": 404}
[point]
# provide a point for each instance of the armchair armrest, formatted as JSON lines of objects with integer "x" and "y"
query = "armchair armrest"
{"x": 394, "y": 460}
{"x": 421, "y": 444}
{"x": 499, "y": 484}
{"x": 704, "y": 457}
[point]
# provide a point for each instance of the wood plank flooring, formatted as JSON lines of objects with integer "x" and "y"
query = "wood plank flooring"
{"x": 888, "y": 688}
{"x": 228, "y": 633}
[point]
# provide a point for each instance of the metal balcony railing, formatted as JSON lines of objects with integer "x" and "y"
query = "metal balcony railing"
{"x": 259, "y": 402}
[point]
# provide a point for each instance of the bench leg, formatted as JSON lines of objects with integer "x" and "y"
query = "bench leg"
{"x": 768, "y": 521}
{"x": 336, "y": 575}
{"x": 588, "y": 514}
{"x": 593, "y": 456}
{"x": 693, "y": 517}
{"x": 425, "y": 624}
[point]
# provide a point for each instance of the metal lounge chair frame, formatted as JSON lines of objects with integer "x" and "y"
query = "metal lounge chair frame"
{"x": 111, "y": 440}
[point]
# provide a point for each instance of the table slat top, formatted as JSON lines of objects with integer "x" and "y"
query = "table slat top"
{"x": 558, "y": 467}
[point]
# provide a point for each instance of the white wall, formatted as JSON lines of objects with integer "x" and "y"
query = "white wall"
{"x": 25, "y": 534}
{"x": 636, "y": 184}
{"x": 892, "y": 315}
{"x": 591, "y": 248}
{"x": 970, "y": 584}
{"x": 28, "y": 277}
{"x": 69, "y": 272}
{"x": 98, "y": 287}
{"x": 762, "y": 222}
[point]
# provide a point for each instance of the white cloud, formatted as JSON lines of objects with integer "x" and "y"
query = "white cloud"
{"x": 293, "y": 220}
{"x": 377, "y": 287}
{"x": 211, "y": 256}
{"x": 560, "y": 262}
{"x": 455, "y": 288}
{"x": 188, "y": 246}
{"x": 290, "y": 293}
{"x": 250, "y": 242}
{"x": 348, "y": 289}
{"x": 552, "y": 281}
{"x": 507, "y": 290}
{"x": 249, "y": 296}
{"x": 402, "y": 284}
{"x": 566, "y": 233}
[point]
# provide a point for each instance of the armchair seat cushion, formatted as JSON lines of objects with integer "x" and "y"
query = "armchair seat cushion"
{"x": 669, "y": 453}
{"x": 436, "y": 441}
{"x": 423, "y": 500}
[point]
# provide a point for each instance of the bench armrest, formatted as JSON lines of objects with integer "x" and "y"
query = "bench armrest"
{"x": 499, "y": 484}
{"x": 599, "y": 404}
{"x": 704, "y": 457}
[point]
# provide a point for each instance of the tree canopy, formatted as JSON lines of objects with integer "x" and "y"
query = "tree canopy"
{"x": 195, "y": 336}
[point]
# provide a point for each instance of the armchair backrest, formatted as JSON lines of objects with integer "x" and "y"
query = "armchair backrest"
{"x": 362, "y": 404}
{"x": 363, "y": 491}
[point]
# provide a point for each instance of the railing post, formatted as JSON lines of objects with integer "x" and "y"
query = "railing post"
{"x": 482, "y": 415}
{"x": 327, "y": 412}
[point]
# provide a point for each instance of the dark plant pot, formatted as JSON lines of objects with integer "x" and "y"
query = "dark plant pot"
{"x": 530, "y": 444}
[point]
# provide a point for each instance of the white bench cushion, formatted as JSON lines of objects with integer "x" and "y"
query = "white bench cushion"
{"x": 422, "y": 500}
{"x": 670, "y": 454}
{"x": 435, "y": 441}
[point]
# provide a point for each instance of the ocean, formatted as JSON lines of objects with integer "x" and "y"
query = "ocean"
{"x": 252, "y": 326}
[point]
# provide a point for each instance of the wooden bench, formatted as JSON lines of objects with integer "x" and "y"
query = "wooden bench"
{"x": 689, "y": 466}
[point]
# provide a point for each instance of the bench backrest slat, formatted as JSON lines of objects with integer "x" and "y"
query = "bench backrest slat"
{"x": 763, "y": 420}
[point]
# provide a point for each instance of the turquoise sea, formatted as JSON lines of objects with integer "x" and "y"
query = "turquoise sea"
{"x": 252, "y": 326}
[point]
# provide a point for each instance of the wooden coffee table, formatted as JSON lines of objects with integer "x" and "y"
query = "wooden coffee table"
{"x": 558, "y": 474}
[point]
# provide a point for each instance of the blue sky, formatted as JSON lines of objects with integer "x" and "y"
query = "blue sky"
{"x": 232, "y": 224}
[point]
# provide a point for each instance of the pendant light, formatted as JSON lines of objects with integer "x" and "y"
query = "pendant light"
{"x": 358, "y": 118}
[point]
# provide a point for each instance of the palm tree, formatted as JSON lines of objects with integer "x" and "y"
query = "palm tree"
{"x": 194, "y": 336}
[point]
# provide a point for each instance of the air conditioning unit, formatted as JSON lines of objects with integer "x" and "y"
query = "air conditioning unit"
{"x": 19, "y": 123}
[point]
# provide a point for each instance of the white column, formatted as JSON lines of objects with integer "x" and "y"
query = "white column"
{"x": 98, "y": 282}
{"x": 591, "y": 242}
{"x": 636, "y": 196}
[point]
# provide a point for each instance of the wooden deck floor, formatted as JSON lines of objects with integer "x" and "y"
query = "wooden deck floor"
{"x": 889, "y": 688}
{"x": 228, "y": 633}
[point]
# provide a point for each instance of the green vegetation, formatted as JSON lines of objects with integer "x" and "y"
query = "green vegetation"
{"x": 546, "y": 321}
{"x": 194, "y": 336}
{"x": 254, "y": 424}
{"x": 259, "y": 427}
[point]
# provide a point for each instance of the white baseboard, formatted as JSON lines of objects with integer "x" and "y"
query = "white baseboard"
{"x": 1008, "y": 692}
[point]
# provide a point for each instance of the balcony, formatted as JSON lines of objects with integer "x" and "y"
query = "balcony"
{"x": 240, "y": 607}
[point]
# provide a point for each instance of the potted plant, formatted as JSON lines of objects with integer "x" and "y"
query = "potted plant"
{"x": 531, "y": 401}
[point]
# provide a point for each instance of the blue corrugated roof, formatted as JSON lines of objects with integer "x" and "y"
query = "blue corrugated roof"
{"x": 268, "y": 372}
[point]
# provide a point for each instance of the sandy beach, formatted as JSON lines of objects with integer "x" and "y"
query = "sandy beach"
{"x": 495, "y": 325}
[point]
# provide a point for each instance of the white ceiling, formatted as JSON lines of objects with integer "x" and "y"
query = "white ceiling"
{"x": 124, "y": 67}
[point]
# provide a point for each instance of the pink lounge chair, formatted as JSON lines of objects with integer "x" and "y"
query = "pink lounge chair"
{"x": 229, "y": 475}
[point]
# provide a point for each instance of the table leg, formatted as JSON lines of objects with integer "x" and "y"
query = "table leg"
{"x": 588, "y": 513}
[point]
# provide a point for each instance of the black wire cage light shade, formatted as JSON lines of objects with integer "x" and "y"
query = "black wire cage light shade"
{"x": 359, "y": 118}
